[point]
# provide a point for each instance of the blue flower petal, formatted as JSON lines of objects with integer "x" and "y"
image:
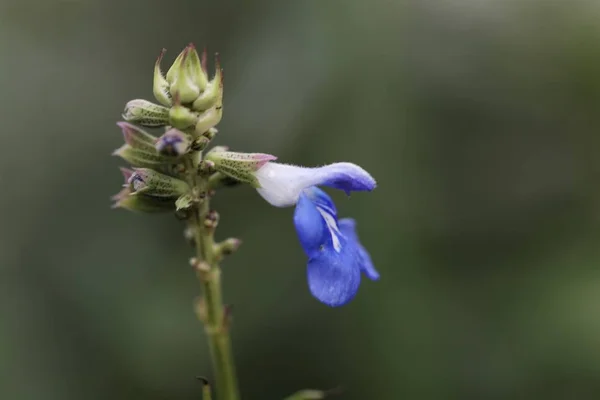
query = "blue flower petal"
{"x": 348, "y": 228}
{"x": 347, "y": 177}
{"x": 321, "y": 200}
{"x": 334, "y": 277}
{"x": 336, "y": 257}
{"x": 310, "y": 226}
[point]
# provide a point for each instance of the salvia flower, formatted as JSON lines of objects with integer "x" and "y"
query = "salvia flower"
{"x": 336, "y": 256}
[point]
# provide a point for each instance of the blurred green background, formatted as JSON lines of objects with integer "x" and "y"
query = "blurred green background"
{"x": 479, "y": 119}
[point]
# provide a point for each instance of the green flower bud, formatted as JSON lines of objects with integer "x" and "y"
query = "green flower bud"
{"x": 181, "y": 117}
{"x": 211, "y": 133}
{"x": 184, "y": 83}
{"x": 209, "y": 119}
{"x": 196, "y": 68}
{"x": 136, "y": 137}
{"x": 200, "y": 143}
{"x": 174, "y": 70}
{"x": 146, "y": 158}
{"x": 146, "y": 113}
{"x": 213, "y": 92}
{"x": 140, "y": 203}
{"x": 151, "y": 183}
{"x": 161, "y": 85}
{"x": 239, "y": 166}
{"x": 227, "y": 247}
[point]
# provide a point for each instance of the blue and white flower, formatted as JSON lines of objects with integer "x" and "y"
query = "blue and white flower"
{"x": 281, "y": 184}
{"x": 336, "y": 258}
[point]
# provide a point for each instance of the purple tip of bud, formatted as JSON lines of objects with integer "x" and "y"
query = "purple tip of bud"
{"x": 137, "y": 180}
{"x": 127, "y": 129}
{"x": 172, "y": 142}
{"x": 204, "y": 60}
{"x": 126, "y": 173}
{"x": 218, "y": 68}
{"x": 160, "y": 56}
{"x": 118, "y": 198}
{"x": 263, "y": 159}
{"x": 186, "y": 52}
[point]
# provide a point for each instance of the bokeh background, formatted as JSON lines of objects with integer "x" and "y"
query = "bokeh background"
{"x": 479, "y": 119}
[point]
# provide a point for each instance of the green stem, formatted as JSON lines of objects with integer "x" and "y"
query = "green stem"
{"x": 212, "y": 314}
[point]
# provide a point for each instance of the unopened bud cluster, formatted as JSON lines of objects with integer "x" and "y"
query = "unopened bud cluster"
{"x": 190, "y": 105}
{"x": 165, "y": 167}
{"x": 189, "y": 101}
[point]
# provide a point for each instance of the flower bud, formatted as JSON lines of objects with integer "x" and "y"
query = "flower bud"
{"x": 185, "y": 83}
{"x": 174, "y": 70}
{"x": 173, "y": 143}
{"x": 181, "y": 117}
{"x": 146, "y": 113}
{"x": 200, "y": 143}
{"x": 240, "y": 166}
{"x": 141, "y": 157}
{"x": 211, "y": 133}
{"x": 209, "y": 119}
{"x": 140, "y": 203}
{"x": 213, "y": 92}
{"x": 161, "y": 85}
{"x": 136, "y": 137}
{"x": 151, "y": 183}
{"x": 196, "y": 68}
{"x": 228, "y": 246}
